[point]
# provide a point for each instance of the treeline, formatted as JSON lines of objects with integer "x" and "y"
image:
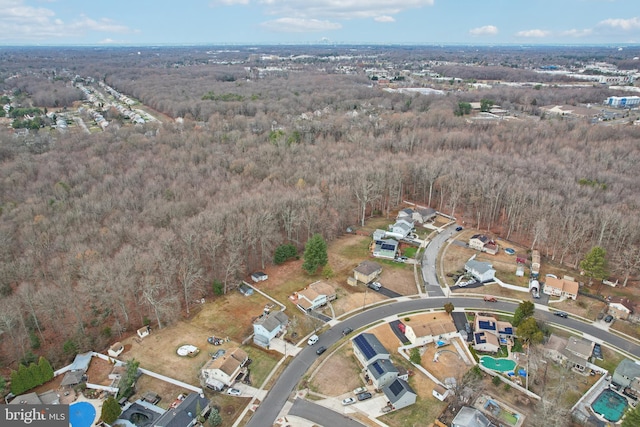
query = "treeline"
{"x": 106, "y": 232}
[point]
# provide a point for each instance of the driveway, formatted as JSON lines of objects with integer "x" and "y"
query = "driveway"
{"x": 388, "y": 292}
{"x": 395, "y": 327}
{"x": 320, "y": 415}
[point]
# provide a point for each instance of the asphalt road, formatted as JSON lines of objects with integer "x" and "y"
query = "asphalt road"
{"x": 429, "y": 259}
{"x": 271, "y": 406}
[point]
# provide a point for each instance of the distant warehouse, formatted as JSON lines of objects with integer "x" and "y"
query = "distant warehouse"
{"x": 623, "y": 101}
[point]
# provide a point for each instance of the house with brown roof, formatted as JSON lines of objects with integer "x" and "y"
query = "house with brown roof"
{"x": 620, "y": 308}
{"x": 367, "y": 271}
{"x": 483, "y": 243}
{"x": 561, "y": 287}
{"x": 422, "y": 332}
{"x": 224, "y": 369}
{"x": 314, "y": 296}
{"x": 488, "y": 331}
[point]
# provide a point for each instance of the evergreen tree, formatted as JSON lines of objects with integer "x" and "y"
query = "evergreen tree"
{"x": 34, "y": 374}
{"x": 315, "y": 254}
{"x": 129, "y": 378}
{"x": 46, "y": 371}
{"x": 448, "y": 307}
{"x": 529, "y": 331}
{"x": 110, "y": 410}
{"x": 594, "y": 264}
{"x": 214, "y": 418}
{"x": 524, "y": 310}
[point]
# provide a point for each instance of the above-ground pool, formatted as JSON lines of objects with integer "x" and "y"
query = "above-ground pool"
{"x": 81, "y": 414}
{"x": 500, "y": 365}
{"x": 610, "y": 405}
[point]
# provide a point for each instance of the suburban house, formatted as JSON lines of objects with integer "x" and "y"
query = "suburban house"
{"x": 571, "y": 353}
{"x": 314, "y": 296}
{"x": 422, "y": 332}
{"x": 489, "y": 332}
{"x": 368, "y": 349}
{"x": 47, "y": 398}
{"x": 267, "y": 326}
{"x": 420, "y": 214}
{"x": 401, "y": 229}
{"x": 185, "y": 413}
{"x": 561, "y": 287}
{"x": 367, "y": 271}
{"x": 481, "y": 271}
{"x": 440, "y": 393}
{"x": 483, "y": 243}
{"x": 620, "y": 308}
{"x": 399, "y": 394}
{"x": 385, "y": 248}
{"x": 470, "y": 417}
{"x": 224, "y": 369}
{"x": 382, "y": 372}
{"x": 627, "y": 375}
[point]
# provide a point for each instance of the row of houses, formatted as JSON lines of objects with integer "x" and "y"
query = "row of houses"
{"x": 385, "y": 376}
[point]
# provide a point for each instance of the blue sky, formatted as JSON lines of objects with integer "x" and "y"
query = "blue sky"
{"x": 152, "y": 22}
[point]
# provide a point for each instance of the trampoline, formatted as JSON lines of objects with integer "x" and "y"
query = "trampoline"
{"x": 500, "y": 365}
{"x": 81, "y": 414}
{"x": 610, "y": 405}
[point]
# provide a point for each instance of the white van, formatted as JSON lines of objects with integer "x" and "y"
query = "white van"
{"x": 312, "y": 339}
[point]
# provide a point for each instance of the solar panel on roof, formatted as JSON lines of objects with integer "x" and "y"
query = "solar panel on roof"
{"x": 480, "y": 339}
{"x": 396, "y": 387}
{"x": 388, "y": 247}
{"x": 487, "y": 325}
{"x": 364, "y": 346}
{"x": 378, "y": 368}
{"x": 508, "y": 331}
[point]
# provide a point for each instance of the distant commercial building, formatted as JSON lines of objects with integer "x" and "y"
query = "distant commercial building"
{"x": 623, "y": 101}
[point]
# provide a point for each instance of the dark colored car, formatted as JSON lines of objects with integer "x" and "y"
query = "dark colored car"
{"x": 346, "y": 331}
{"x": 597, "y": 351}
{"x": 458, "y": 228}
{"x": 608, "y": 318}
{"x": 364, "y": 396}
{"x": 561, "y": 314}
{"x": 321, "y": 350}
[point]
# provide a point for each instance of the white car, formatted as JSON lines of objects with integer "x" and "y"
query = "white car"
{"x": 359, "y": 390}
{"x": 313, "y": 339}
{"x": 234, "y": 392}
{"x": 348, "y": 401}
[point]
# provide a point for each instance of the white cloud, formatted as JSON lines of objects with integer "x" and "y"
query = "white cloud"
{"x": 384, "y": 18}
{"x": 578, "y": 33}
{"x": 22, "y": 22}
{"x": 622, "y": 24}
{"x": 533, "y": 33}
{"x": 487, "y": 30}
{"x": 228, "y": 2}
{"x": 333, "y": 9}
{"x": 299, "y": 25}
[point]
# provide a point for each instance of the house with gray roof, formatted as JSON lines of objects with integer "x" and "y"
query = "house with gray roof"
{"x": 627, "y": 374}
{"x": 368, "y": 349}
{"x": 399, "y": 394}
{"x": 481, "y": 271}
{"x": 382, "y": 373}
{"x": 267, "y": 326}
{"x": 367, "y": 271}
{"x": 385, "y": 248}
{"x": 185, "y": 414}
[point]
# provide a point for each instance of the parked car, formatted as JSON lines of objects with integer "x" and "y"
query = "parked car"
{"x": 401, "y": 259}
{"x": 359, "y": 390}
{"x": 459, "y": 228}
{"x": 321, "y": 350}
{"x": 218, "y": 353}
{"x": 313, "y": 339}
{"x": 234, "y": 392}
{"x": 364, "y": 396}
{"x": 346, "y": 331}
{"x": 597, "y": 351}
{"x": 490, "y": 298}
{"x": 561, "y": 314}
{"x": 608, "y": 318}
{"x": 375, "y": 286}
{"x": 348, "y": 401}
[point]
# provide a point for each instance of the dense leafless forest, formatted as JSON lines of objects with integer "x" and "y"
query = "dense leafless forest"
{"x": 100, "y": 231}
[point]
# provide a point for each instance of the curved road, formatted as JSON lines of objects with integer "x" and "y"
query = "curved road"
{"x": 276, "y": 398}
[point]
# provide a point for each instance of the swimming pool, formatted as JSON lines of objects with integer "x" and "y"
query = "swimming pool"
{"x": 81, "y": 414}
{"x": 500, "y": 365}
{"x": 610, "y": 405}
